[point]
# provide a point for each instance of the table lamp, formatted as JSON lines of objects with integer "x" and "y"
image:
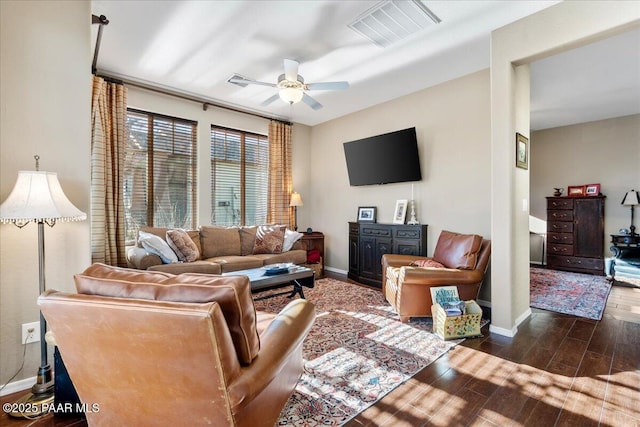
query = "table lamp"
{"x": 632, "y": 198}
{"x": 296, "y": 200}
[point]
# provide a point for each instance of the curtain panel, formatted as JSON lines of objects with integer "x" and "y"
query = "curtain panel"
{"x": 108, "y": 120}
{"x": 280, "y": 174}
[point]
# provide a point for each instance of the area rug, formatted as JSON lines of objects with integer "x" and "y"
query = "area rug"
{"x": 356, "y": 352}
{"x": 581, "y": 295}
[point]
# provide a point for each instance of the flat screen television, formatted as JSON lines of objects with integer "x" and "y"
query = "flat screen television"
{"x": 383, "y": 159}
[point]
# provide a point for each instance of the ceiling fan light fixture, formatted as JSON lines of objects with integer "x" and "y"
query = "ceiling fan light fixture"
{"x": 291, "y": 95}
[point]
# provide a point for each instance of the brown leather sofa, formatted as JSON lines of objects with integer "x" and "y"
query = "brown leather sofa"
{"x": 458, "y": 259}
{"x": 150, "y": 348}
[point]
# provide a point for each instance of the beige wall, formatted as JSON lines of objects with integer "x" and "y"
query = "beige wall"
{"x": 45, "y": 98}
{"x": 604, "y": 151}
{"x": 452, "y": 126}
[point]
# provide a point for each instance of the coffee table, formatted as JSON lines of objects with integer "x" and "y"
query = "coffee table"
{"x": 293, "y": 274}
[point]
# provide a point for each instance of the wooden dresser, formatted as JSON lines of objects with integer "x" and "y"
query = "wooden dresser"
{"x": 575, "y": 234}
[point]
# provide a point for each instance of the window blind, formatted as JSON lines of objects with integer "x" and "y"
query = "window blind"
{"x": 239, "y": 177}
{"x": 160, "y": 172}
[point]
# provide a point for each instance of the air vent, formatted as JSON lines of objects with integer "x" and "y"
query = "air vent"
{"x": 391, "y": 21}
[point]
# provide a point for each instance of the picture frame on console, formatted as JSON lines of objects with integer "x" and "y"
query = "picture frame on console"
{"x": 400, "y": 211}
{"x": 576, "y": 190}
{"x": 367, "y": 214}
{"x": 592, "y": 190}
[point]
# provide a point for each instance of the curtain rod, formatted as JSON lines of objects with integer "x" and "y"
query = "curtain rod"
{"x": 205, "y": 103}
{"x": 102, "y": 21}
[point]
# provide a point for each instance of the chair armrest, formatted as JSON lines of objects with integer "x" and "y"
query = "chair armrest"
{"x": 395, "y": 260}
{"x": 140, "y": 259}
{"x": 417, "y": 276}
{"x": 279, "y": 343}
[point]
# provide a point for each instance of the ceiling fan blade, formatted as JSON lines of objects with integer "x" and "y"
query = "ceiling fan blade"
{"x": 311, "y": 102}
{"x": 270, "y": 100}
{"x": 327, "y": 86}
{"x": 243, "y": 81}
{"x": 291, "y": 70}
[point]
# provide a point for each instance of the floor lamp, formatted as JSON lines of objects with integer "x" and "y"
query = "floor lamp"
{"x": 296, "y": 200}
{"x": 38, "y": 197}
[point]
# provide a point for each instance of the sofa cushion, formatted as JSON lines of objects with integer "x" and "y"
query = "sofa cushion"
{"x": 183, "y": 246}
{"x": 156, "y": 245}
{"x": 247, "y": 239}
{"x": 218, "y": 241}
{"x": 236, "y": 262}
{"x": 455, "y": 250}
{"x": 293, "y": 256}
{"x": 233, "y": 294}
{"x": 290, "y": 237}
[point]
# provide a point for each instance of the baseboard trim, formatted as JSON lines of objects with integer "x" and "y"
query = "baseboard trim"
{"x": 17, "y": 386}
{"x": 513, "y": 331}
{"x": 336, "y": 270}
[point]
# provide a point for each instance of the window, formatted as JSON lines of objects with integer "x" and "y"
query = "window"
{"x": 159, "y": 172}
{"x": 239, "y": 177}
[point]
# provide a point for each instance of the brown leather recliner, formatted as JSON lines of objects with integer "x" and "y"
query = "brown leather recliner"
{"x": 159, "y": 349}
{"x": 458, "y": 259}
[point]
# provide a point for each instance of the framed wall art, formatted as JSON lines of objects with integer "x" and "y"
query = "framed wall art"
{"x": 366, "y": 214}
{"x": 522, "y": 151}
{"x": 400, "y": 211}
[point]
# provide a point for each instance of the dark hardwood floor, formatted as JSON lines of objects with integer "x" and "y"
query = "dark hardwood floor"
{"x": 559, "y": 370}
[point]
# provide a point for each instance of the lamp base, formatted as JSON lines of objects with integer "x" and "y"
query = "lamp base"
{"x": 33, "y": 405}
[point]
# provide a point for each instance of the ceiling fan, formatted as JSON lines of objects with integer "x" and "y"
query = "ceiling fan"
{"x": 291, "y": 85}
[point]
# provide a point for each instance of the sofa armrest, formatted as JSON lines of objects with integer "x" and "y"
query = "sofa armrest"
{"x": 280, "y": 345}
{"x": 140, "y": 259}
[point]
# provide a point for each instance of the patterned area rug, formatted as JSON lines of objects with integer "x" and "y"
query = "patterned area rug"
{"x": 581, "y": 295}
{"x": 356, "y": 352}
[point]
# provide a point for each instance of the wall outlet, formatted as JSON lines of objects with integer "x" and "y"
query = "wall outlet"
{"x": 30, "y": 332}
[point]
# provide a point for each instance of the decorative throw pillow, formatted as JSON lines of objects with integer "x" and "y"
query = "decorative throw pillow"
{"x": 269, "y": 239}
{"x": 247, "y": 239}
{"x": 426, "y": 263}
{"x": 182, "y": 245}
{"x": 155, "y": 245}
{"x": 290, "y": 237}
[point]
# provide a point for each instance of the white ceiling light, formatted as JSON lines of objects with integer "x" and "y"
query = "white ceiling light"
{"x": 391, "y": 21}
{"x": 290, "y": 91}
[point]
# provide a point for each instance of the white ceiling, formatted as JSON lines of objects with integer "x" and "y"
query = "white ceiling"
{"x": 193, "y": 47}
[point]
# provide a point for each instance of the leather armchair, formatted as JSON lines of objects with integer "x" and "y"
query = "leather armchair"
{"x": 463, "y": 262}
{"x": 145, "y": 359}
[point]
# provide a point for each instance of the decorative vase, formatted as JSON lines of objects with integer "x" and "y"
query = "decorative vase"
{"x": 557, "y": 192}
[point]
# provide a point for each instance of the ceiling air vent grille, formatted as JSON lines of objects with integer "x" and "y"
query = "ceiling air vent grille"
{"x": 391, "y": 21}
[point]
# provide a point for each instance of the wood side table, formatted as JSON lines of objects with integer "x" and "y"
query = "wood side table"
{"x": 314, "y": 240}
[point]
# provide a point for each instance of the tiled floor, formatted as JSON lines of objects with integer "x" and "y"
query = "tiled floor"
{"x": 558, "y": 371}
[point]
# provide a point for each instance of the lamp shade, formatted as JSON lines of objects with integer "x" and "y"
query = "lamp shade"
{"x": 632, "y": 198}
{"x": 38, "y": 196}
{"x": 296, "y": 199}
